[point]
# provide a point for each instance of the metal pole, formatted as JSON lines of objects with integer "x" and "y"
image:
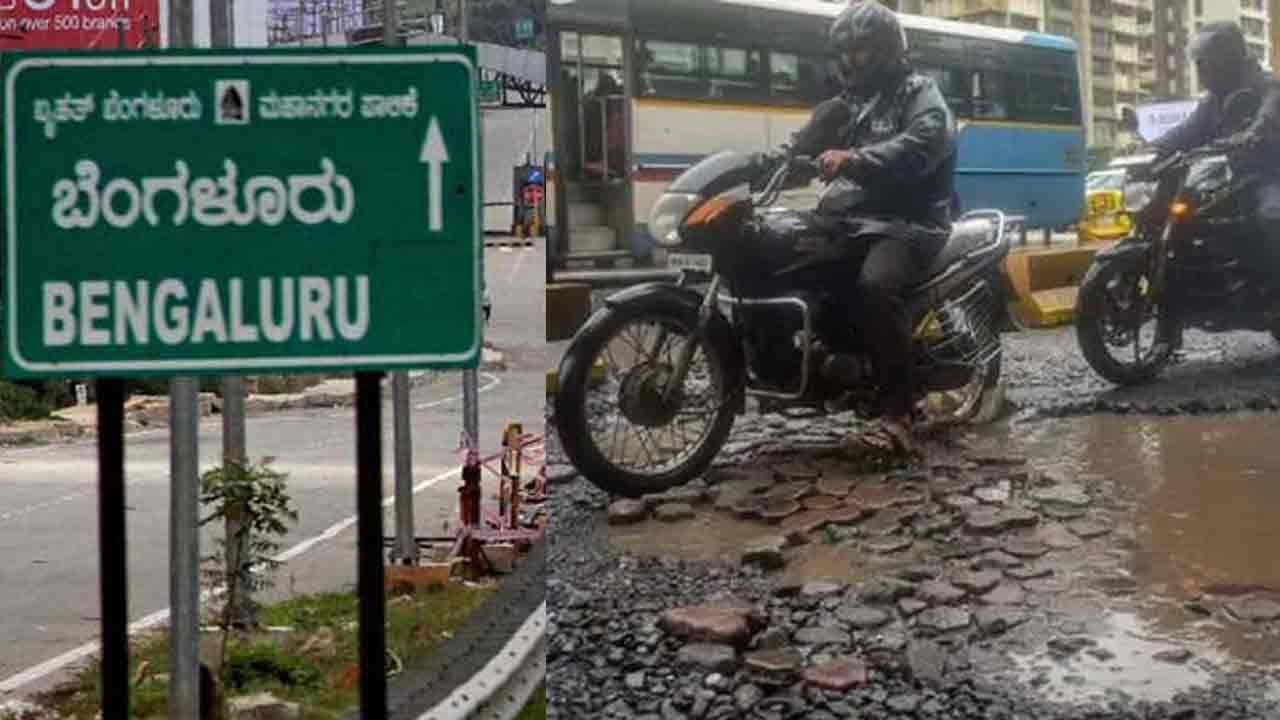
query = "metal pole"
{"x": 219, "y": 23}
{"x": 373, "y": 679}
{"x": 390, "y": 24}
{"x": 471, "y": 405}
{"x": 406, "y": 548}
{"x": 221, "y": 33}
{"x": 113, "y": 577}
{"x": 180, "y": 24}
{"x": 234, "y": 452}
{"x": 184, "y": 510}
{"x": 184, "y": 548}
{"x": 470, "y": 377}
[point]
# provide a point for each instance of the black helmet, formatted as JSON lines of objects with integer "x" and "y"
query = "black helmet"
{"x": 1220, "y": 55}
{"x": 871, "y": 32}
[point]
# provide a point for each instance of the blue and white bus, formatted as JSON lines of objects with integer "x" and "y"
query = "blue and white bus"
{"x": 642, "y": 89}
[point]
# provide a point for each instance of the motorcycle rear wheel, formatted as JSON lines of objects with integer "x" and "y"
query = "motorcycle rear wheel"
{"x": 614, "y": 466}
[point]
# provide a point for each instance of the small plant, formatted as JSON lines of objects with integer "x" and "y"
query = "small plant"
{"x": 21, "y": 403}
{"x": 261, "y": 663}
{"x": 255, "y": 496}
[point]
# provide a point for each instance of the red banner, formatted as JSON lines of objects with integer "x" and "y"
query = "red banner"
{"x": 79, "y": 24}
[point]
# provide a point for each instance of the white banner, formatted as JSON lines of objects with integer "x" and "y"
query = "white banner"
{"x": 1157, "y": 119}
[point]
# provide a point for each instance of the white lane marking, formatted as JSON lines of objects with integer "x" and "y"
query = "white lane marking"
{"x": 53, "y": 665}
{"x": 494, "y": 381}
{"x": 515, "y": 269}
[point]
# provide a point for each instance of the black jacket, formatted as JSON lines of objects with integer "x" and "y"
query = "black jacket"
{"x": 1261, "y": 137}
{"x": 905, "y": 155}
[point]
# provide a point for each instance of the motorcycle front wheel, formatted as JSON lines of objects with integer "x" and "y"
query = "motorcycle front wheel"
{"x": 617, "y": 426}
{"x": 1117, "y": 326}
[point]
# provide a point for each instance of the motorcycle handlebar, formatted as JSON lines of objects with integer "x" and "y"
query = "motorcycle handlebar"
{"x": 1183, "y": 156}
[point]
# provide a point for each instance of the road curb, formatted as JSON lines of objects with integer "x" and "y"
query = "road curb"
{"x": 424, "y": 688}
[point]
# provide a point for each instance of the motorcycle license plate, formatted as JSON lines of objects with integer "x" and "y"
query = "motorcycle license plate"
{"x": 688, "y": 261}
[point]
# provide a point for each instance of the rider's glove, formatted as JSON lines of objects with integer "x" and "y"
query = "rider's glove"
{"x": 1240, "y": 148}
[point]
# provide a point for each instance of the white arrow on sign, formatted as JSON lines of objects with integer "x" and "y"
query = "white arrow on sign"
{"x": 435, "y": 155}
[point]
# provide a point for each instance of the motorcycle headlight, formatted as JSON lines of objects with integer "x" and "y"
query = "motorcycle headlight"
{"x": 1137, "y": 195}
{"x": 666, "y": 216}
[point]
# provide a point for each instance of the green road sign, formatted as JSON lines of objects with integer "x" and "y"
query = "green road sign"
{"x": 524, "y": 29}
{"x": 490, "y": 91}
{"x": 193, "y": 212}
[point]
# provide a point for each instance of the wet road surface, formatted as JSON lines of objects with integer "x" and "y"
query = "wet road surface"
{"x": 1182, "y": 544}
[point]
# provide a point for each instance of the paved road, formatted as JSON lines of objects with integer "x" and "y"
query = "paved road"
{"x": 48, "y": 522}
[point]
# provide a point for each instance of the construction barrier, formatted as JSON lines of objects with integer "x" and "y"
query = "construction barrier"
{"x": 488, "y": 538}
{"x": 1045, "y": 283}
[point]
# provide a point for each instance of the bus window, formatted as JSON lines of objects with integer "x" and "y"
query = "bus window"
{"x": 785, "y": 84}
{"x": 734, "y": 73}
{"x": 956, "y": 88}
{"x": 1049, "y": 99}
{"x": 990, "y": 95}
{"x": 604, "y": 50}
{"x": 670, "y": 70}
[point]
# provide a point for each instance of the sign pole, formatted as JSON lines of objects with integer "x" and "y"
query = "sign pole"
{"x": 184, "y": 548}
{"x": 373, "y": 679}
{"x": 113, "y": 571}
{"x": 406, "y": 549}
{"x": 221, "y": 34}
{"x": 184, "y": 494}
{"x": 470, "y": 376}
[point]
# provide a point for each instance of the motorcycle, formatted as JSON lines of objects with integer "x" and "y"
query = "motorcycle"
{"x": 652, "y": 382}
{"x": 1187, "y": 262}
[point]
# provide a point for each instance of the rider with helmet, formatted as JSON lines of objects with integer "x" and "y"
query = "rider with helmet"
{"x": 1224, "y": 66}
{"x": 899, "y": 149}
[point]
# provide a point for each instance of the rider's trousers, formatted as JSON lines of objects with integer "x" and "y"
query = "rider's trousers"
{"x": 875, "y": 307}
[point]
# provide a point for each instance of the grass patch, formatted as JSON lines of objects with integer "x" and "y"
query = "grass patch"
{"x": 315, "y": 665}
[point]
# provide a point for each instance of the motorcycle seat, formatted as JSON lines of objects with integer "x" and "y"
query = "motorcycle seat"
{"x": 966, "y": 237}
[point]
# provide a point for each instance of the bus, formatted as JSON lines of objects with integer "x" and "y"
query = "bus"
{"x": 639, "y": 90}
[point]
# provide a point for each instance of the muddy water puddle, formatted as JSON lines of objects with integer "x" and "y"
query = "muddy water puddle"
{"x": 1195, "y": 507}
